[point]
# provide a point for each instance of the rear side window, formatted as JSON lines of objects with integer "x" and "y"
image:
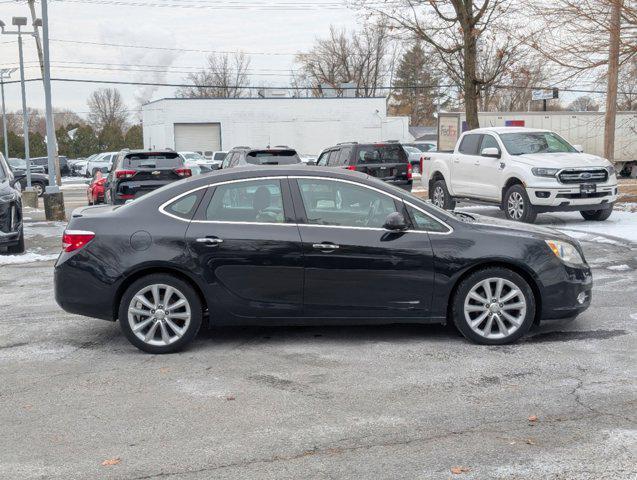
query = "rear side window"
{"x": 469, "y": 144}
{"x": 254, "y": 201}
{"x": 322, "y": 160}
{"x": 372, "y": 154}
{"x": 185, "y": 207}
{"x": 343, "y": 157}
{"x": 152, "y": 160}
{"x": 272, "y": 157}
{"x": 332, "y": 160}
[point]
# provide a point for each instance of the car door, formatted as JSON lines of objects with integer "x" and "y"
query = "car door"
{"x": 487, "y": 174}
{"x": 354, "y": 267}
{"x": 246, "y": 245}
{"x": 465, "y": 164}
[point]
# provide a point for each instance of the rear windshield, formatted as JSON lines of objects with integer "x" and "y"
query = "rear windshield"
{"x": 381, "y": 154}
{"x": 153, "y": 160}
{"x": 272, "y": 157}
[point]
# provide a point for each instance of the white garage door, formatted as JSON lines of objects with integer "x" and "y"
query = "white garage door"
{"x": 199, "y": 137}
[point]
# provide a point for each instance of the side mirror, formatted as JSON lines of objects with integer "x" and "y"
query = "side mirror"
{"x": 395, "y": 221}
{"x": 579, "y": 148}
{"x": 492, "y": 152}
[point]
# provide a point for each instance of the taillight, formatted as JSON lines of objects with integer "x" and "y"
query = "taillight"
{"x": 183, "y": 172}
{"x": 352, "y": 168}
{"x": 124, "y": 173}
{"x": 76, "y": 239}
{"x": 409, "y": 174}
{"x": 422, "y": 161}
{"x": 126, "y": 196}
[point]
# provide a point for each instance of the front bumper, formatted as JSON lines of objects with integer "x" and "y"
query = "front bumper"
{"x": 568, "y": 294}
{"x": 569, "y": 197}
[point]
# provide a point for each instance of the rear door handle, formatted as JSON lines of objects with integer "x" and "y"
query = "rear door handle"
{"x": 325, "y": 246}
{"x": 211, "y": 241}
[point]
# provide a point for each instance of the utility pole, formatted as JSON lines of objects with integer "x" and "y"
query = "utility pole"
{"x": 613, "y": 74}
{"x": 5, "y": 74}
{"x": 53, "y": 197}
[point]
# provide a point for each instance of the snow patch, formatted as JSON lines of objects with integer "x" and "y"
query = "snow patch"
{"x": 619, "y": 268}
{"x": 28, "y": 257}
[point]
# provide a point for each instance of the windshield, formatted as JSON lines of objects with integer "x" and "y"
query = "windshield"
{"x": 535, "y": 142}
{"x": 409, "y": 149}
{"x": 193, "y": 156}
{"x": 272, "y": 157}
{"x": 18, "y": 163}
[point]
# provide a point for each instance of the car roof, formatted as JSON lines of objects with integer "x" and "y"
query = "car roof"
{"x": 499, "y": 130}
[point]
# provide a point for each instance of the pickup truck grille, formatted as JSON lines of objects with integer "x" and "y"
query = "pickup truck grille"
{"x": 594, "y": 175}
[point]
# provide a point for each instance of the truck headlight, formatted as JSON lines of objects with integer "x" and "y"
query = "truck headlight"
{"x": 565, "y": 251}
{"x": 544, "y": 172}
{"x": 611, "y": 171}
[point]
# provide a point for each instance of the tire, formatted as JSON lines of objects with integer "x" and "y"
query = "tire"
{"x": 493, "y": 327}
{"x": 440, "y": 196}
{"x": 38, "y": 187}
{"x": 165, "y": 338}
{"x": 19, "y": 248}
{"x": 517, "y": 206}
{"x": 597, "y": 215}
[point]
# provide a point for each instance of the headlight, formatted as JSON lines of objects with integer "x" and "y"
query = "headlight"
{"x": 611, "y": 171}
{"x": 565, "y": 251}
{"x": 544, "y": 172}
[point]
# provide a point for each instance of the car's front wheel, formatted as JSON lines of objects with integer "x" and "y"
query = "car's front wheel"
{"x": 493, "y": 306}
{"x": 596, "y": 215}
{"x": 160, "y": 313}
{"x": 440, "y": 196}
{"x": 517, "y": 205}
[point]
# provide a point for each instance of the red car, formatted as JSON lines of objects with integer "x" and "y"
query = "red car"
{"x": 95, "y": 190}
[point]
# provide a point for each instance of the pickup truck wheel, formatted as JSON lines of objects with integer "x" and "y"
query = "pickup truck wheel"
{"x": 517, "y": 205}
{"x": 440, "y": 196}
{"x": 596, "y": 215}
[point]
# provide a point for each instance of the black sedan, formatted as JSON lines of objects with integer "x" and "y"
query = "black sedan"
{"x": 11, "y": 231}
{"x": 273, "y": 245}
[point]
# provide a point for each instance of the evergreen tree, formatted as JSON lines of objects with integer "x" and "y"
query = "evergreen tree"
{"x": 416, "y": 69}
{"x": 134, "y": 138}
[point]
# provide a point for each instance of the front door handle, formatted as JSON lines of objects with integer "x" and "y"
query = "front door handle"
{"x": 325, "y": 246}
{"x": 211, "y": 241}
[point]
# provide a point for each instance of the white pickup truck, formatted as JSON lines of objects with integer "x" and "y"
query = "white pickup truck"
{"x": 523, "y": 170}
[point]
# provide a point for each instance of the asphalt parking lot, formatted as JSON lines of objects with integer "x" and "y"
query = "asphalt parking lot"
{"x": 78, "y": 401}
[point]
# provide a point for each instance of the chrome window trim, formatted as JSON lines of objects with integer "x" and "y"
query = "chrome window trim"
{"x": 162, "y": 207}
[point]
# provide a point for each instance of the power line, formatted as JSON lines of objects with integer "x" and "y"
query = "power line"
{"x": 219, "y": 5}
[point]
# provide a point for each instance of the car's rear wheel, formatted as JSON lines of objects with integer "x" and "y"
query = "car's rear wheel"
{"x": 493, "y": 306}
{"x": 38, "y": 187}
{"x": 517, "y": 205}
{"x": 597, "y": 215}
{"x": 160, "y": 313}
{"x": 440, "y": 196}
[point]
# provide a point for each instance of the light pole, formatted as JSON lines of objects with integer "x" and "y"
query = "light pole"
{"x": 21, "y": 22}
{"x": 53, "y": 198}
{"x": 5, "y": 74}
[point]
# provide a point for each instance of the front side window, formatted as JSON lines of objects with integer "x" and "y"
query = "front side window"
{"x": 424, "y": 222}
{"x": 489, "y": 141}
{"x": 322, "y": 160}
{"x": 344, "y": 204}
{"x": 535, "y": 142}
{"x": 253, "y": 201}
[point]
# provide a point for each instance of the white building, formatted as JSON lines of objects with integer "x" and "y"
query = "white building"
{"x": 305, "y": 124}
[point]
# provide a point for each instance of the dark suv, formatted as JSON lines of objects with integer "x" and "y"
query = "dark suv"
{"x": 385, "y": 161}
{"x": 137, "y": 172}
{"x": 243, "y": 156}
{"x": 11, "y": 231}
{"x": 44, "y": 163}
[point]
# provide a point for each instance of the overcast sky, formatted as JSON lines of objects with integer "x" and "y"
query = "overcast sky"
{"x": 272, "y": 31}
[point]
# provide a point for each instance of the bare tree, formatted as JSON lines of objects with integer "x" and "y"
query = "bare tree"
{"x": 226, "y": 76}
{"x": 455, "y": 30}
{"x": 627, "y": 89}
{"x": 107, "y": 109}
{"x": 359, "y": 57}
{"x": 588, "y": 38}
{"x": 585, "y": 103}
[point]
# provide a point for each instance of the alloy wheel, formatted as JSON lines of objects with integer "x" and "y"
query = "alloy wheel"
{"x": 38, "y": 189}
{"x": 495, "y": 308}
{"x": 515, "y": 206}
{"x": 439, "y": 197}
{"x": 159, "y": 314}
